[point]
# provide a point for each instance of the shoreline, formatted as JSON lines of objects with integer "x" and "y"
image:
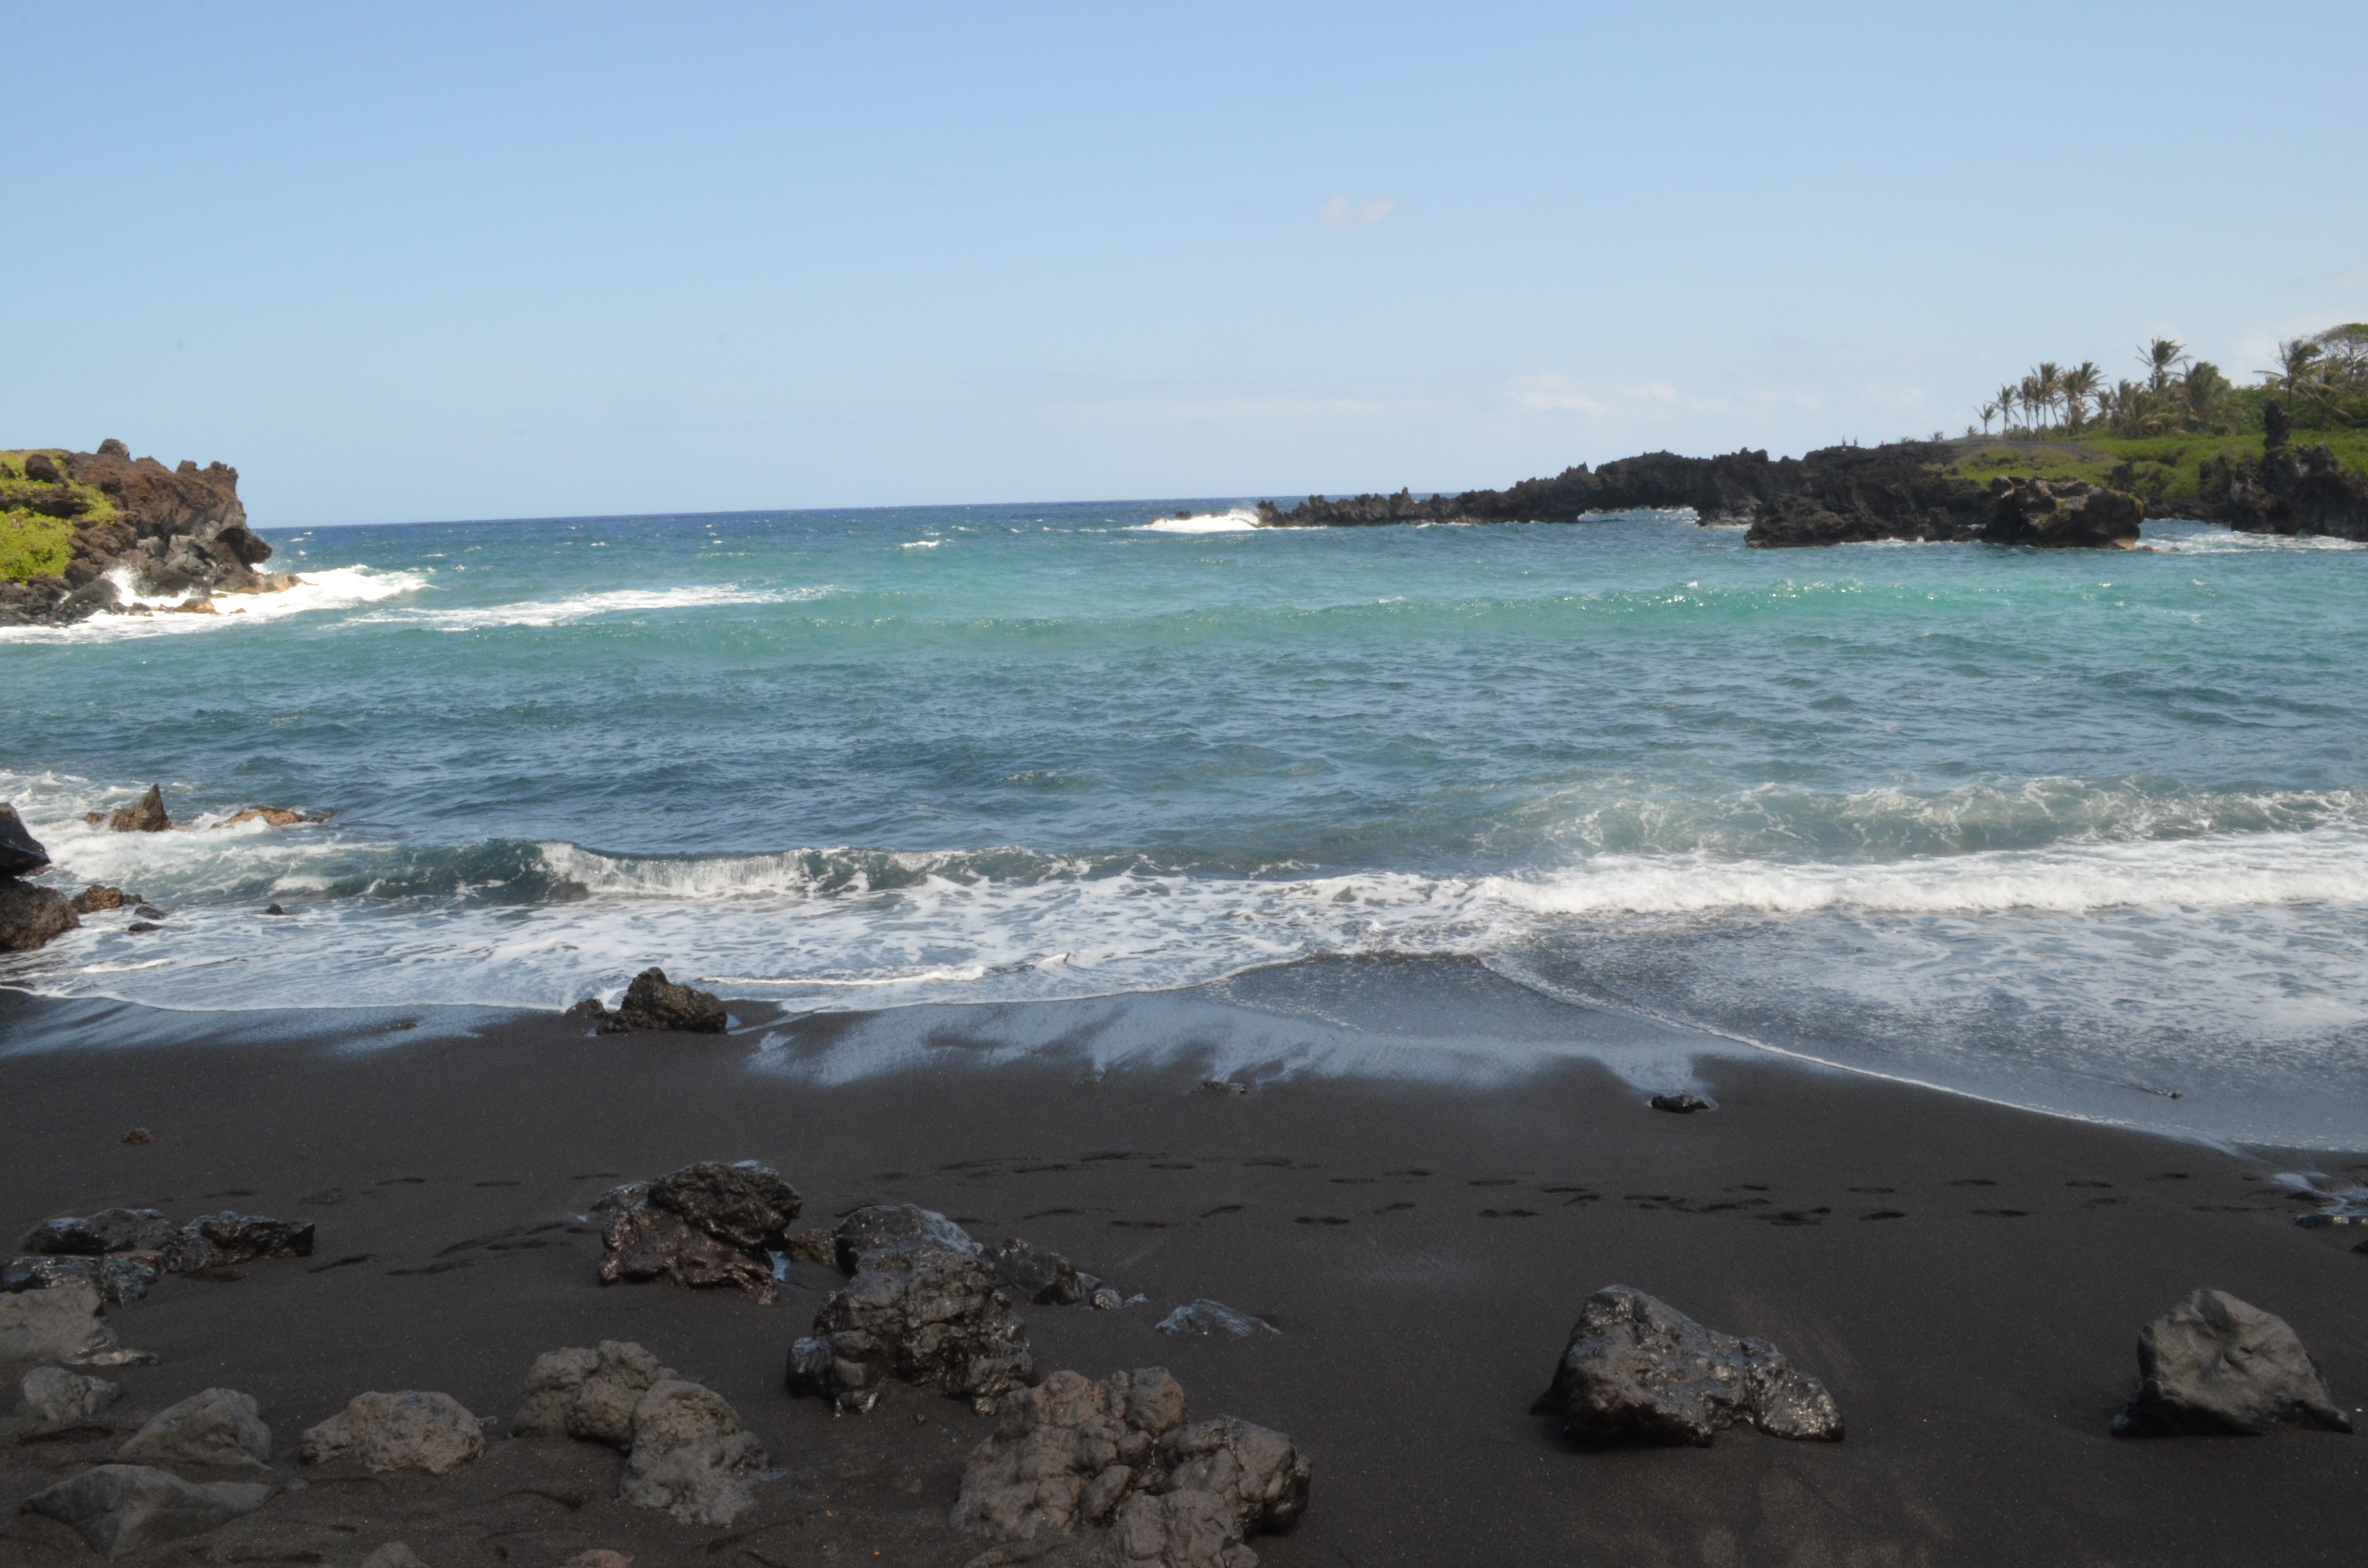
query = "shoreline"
{"x": 1977, "y": 1343}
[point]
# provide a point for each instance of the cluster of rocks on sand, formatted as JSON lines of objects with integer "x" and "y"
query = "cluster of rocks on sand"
{"x": 30, "y": 914}
{"x": 1112, "y": 1472}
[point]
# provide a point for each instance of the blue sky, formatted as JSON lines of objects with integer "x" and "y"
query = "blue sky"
{"x": 534, "y": 260}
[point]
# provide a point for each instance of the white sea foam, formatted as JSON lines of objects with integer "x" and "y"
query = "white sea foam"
{"x": 588, "y": 606}
{"x": 1235, "y": 521}
{"x": 922, "y": 543}
{"x": 326, "y": 588}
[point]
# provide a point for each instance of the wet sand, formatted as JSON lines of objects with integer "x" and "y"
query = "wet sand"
{"x": 1967, "y": 1279}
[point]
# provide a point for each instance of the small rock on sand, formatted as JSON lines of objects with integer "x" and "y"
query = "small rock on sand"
{"x": 110, "y": 1230}
{"x": 588, "y": 1395}
{"x": 1205, "y": 1316}
{"x": 119, "y": 1278}
{"x": 60, "y": 1327}
{"x": 394, "y": 1554}
{"x": 1684, "y": 1103}
{"x": 919, "y": 1311}
{"x": 2215, "y": 1365}
{"x": 216, "y": 1427}
{"x": 896, "y": 1224}
{"x": 398, "y": 1431}
{"x": 704, "y": 1225}
{"x": 123, "y": 1508}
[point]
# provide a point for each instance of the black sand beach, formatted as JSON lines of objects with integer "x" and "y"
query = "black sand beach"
{"x": 1968, "y": 1280}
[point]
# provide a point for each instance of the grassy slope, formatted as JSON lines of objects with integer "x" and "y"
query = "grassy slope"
{"x": 2161, "y": 468}
{"x": 32, "y": 544}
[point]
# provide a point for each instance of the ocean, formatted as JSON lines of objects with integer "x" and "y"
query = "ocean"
{"x": 2085, "y": 833}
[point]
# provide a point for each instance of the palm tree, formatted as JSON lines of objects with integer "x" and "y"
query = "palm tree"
{"x": 2080, "y": 384}
{"x": 1989, "y": 411}
{"x": 2005, "y": 404}
{"x": 2033, "y": 404}
{"x": 2051, "y": 383}
{"x": 2160, "y": 357}
{"x": 2204, "y": 391}
{"x": 2297, "y": 365}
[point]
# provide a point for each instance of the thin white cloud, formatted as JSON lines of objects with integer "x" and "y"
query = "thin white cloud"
{"x": 1339, "y": 212}
{"x": 1552, "y": 393}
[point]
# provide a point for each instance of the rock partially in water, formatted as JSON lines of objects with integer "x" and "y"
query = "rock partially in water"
{"x": 1637, "y": 1369}
{"x": 123, "y": 1508}
{"x": 409, "y": 1430}
{"x": 21, "y": 854}
{"x": 654, "y": 1002}
{"x": 1038, "y": 1275}
{"x": 690, "y": 1456}
{"x": 1684, "y": 1103}
{"x": 222, "y": 1427}
{"x": 588, "y": 1395}
{"x": 146, "y": 814}
{"x": 30, "y": 915}
{"x": 921, "y": 1312}
{"x": 119, "y": 1278}
{"x": 50, "y": 1399}
{"x": 2215, "y": 1365}
{"x": 703, "y": 1226}
{"x": 896, "y": 1224}
{"x": 1205, "y": 1316}
{"x": 2062, "y": 514}
{"x": 98, "y": 898}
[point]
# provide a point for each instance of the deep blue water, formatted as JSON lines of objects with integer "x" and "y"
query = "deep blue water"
{"x": 2076, "y": 830}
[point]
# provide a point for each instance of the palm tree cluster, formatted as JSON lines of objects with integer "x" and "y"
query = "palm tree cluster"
{"x": 2323, "y": 379}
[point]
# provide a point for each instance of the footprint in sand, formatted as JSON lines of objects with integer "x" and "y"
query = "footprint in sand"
{"x": 1140, "y": 1224}
{"x": 2088, "y": 1184}
{"x": 1509, "y": 1213}
{"x": 1795, "y": 1217}
{"x": 1320, "y": 1220}
{"x": 1354, "y": 1181}
{"x": 1884, "y": 1214}
{"x": 2170, "y": 1176}
{"x": 1409, "y": 1171}
{"x": 233, "y": 1192}
{"x": 1492, "y": 1181}
{"x": 1973, "y": 1181}
{"x": 1393, "y": 1207}
{"x": 346, "y": 1262}
{"x": 499, "y": 1184}
{"x": 2003, "y": 1213}
{"x": 405, "y": 1181}
{"x": 1223, "y": 1209}
{"x": 1171, "y": 1165}
{"x": 1281, "y": 1162}
{"x": 1875, "y": 1191}
{"x": 1048, "y": 1215}
{"x": 598, "y": 1176}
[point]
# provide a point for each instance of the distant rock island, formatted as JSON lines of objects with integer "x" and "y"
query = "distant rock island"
{"x": 78, "y": 528}
{"x": 2064, "y": 494}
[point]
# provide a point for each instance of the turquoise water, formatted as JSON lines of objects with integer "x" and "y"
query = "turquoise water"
{"x": 2079, "y": 831}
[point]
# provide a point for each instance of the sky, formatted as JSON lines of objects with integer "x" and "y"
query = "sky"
{"x": 429, "y": 262}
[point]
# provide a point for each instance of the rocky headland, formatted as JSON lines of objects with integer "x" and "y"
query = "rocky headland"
{"x": 75, "y": 527}
{"x": 1909, "y": 490}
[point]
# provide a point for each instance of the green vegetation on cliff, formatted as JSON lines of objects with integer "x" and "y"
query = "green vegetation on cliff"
{"x": 37, "y": 518}
{"x": 2165, "y": 469}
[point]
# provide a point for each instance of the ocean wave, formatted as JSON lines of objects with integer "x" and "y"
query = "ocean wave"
{"x": 590, "y": 605}
{"x": 1238, "y": 521}
{"x": 326, "y": 588}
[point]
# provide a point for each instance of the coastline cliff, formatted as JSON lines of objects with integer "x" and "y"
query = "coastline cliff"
{"x": 76, "y": 529}
{"x": 1933, "y": 491}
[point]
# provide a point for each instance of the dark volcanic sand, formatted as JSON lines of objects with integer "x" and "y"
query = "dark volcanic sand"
{"x": 1424, "y": 1250}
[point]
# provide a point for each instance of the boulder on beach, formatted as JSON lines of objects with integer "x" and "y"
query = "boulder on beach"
{"x": 21, "y": 854}
{"x": 409, "y": 1430}
{"x": 704, "y": 1225}
{"x": 123, "y": 1508}
{"x": 588, "y": 1395}
{"x": 119, "y": 1278}
{"x": 686, "y": 1451}
{"x": 222, "y": 1427}
{"x": 921, "y": 1312}
{"x": 109, "y": 1230}
{"x": 30, "y": 915}
{"x": 218, "y": 1241}
{"x": 57, "y": 1327}
{"x": 2214, "y": 1365}
{"x": 896, "y": 1224}
{"x": 1637, "y": 1369}
{"x": 1038, "y": 1275}
{"x": 50, "y": 1399}
{"x": 690, "y": 1456}
{"x": 1072, "y": 1455}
